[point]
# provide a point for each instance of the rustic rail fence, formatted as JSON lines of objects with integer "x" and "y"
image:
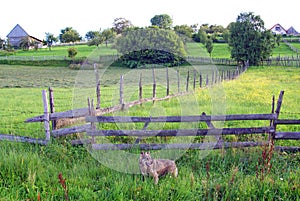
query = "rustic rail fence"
{"x": 93, "y": 133}
{"x": 76, "y": 115}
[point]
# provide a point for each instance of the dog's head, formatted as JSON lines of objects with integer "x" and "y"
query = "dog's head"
{"x": 145, "y": 156}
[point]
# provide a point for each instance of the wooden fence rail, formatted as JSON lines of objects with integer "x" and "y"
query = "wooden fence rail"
{"x": 272, "y": 118}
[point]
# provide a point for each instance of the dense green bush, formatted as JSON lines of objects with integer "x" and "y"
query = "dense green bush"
{"x": 150, "y": 46}
{"x": 143, "y": 58}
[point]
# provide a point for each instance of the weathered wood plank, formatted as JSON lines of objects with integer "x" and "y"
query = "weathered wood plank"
{"x": 181, "y": 132}
{"x": 72, "y": 130}
{"x": 23, "y": 139}
{"x": 287, "y": 121}
{"x": 199, "y": 146}
{"x": 287, "y": 136}
{"x": 83, "y": 112}
{"x": 287, "y": 148}
{"x": 204, "y": 118}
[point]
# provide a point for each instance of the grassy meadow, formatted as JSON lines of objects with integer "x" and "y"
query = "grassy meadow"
{"x": 31, "y": 172}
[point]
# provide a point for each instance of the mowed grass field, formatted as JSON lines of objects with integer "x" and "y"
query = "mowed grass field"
{"x": 30, "y": 172}
{"x": 220, "y": 50}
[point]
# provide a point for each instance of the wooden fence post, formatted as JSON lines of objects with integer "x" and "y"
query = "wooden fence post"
{"x": 46, "y": 115}
{"x": 154, "y": 85}
{"x": 187, "y": 81}
{"x": 178, "y": 81}
{"x": 194, "y": 83}
{"x": 168, "y": 82}
{"x": 97, "y": 86}
{"x": 207, "y": 81}
{"x": 141, "y": 87}
{"x": 52, "y": 108}
{"x": 121, "y": 91}
{"x": 200, "y": 80}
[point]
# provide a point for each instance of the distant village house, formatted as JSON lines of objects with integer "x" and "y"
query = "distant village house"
{"x": 278, "y": 29}
{"x": 17, "y": 34}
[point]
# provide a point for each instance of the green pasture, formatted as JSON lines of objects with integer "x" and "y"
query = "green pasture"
{"x": 83, "y": 51}
{"x": 30, "y": 172}
{"x": 220, "y": 50}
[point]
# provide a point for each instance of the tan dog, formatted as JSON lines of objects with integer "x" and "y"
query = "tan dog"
{"x": 156, "y": 167}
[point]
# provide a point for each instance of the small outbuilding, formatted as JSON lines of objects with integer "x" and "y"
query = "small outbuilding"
{"x": 16, "y": 35}
{"x": 292, "y": 31}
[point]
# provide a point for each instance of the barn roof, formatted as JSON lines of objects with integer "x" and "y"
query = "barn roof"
{"x": 17, "y": 31}
{"x": 292, "y": 31}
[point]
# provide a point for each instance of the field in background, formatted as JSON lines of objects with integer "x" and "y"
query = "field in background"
{"x": 220, "y": 50}
{"x": 30, "y": 172}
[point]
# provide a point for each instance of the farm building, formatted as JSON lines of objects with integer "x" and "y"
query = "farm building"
{"x": 278, "y": 29}
{"x": 292, "y": 31}
{"x": 16, "y": 35}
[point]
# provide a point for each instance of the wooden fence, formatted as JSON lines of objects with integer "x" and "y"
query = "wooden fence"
{"x": 78, "y": 114}
{"x": 269, "y": 129}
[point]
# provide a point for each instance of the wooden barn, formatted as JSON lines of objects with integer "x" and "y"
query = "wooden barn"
{"x": 16, "y": 35}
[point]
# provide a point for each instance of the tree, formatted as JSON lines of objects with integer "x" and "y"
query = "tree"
{"x": 91, "y": 35}
{"x": 184, "y": 30}
{"x": 26, "y": 42}
{"x": 163, "y": 21}
{"x": 107, "y": 34}
{"x": 121, "y": 24}
{"x": 150, "y": 46}
{"x": 50, "y": 39}
{"x": 249, "y": 40}
{"x": 209, "y": 46}
{"x": 97, "y": 39}
{"x": 69, "y": 35}
{"x": 278, "y": 38}
{"x": 72, "y": 52}
{"x": 2, "y": 43}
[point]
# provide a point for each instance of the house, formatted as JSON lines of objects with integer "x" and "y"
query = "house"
{"x": 292, "y": 31}
{"x": 278, "y": 29}
{"x": 16, "y": 35}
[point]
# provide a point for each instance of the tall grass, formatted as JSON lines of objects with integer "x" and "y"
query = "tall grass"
{"x": 30, "y": 172}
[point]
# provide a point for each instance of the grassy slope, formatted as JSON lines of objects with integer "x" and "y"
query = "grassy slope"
{"x": 27, "y": 171}
{"x": 83, "y": 51}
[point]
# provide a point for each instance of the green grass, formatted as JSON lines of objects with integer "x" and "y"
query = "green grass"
{"x": 83, "y": 51}
{"x": 28, "y": 172}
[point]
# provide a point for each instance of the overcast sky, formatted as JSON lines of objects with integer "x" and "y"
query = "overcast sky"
{"x": 40, "y": 16}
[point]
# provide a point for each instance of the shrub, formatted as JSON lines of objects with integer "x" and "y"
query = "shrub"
{"x": 72, "y": 52}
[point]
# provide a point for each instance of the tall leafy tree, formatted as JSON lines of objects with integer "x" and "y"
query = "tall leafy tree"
{"x": 163, "y": 21}
{"x": 68, "y": 35}
{"x": 91, "y": 35}
{"x": 50, "y": 39}
{"x": 108, "y": 34}
{"x": 249, "y": 40}
{"x": 184, "y": 30}
{"x": 209, "y": 46}
{"x": 121, "y": 24}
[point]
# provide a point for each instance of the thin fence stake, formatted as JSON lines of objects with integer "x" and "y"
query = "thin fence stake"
{"x": 97, "y": 86}
{"x": 46, "y": 115}
{"x": 52, "y": 108}
{"x": 168, "y": 82}
{"x": 141, "y": 87}
{"x": 154, "y": 85}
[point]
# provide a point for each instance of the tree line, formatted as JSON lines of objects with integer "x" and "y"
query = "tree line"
{"x": 248, "y": 39}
